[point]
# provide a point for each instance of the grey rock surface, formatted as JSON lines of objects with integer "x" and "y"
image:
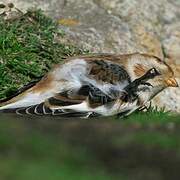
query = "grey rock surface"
{"x": 120, "y": 26}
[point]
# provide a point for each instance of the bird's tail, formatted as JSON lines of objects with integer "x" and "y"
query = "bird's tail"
{"x": 22, "y": 98}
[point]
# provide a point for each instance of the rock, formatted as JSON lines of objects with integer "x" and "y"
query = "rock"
{"x": 168, "y": 100}
{"x": 148, "y": 40}
{"x": 119, "y": 26}
{"x": 8, "y": 12}
{"x": 171, "y": 42}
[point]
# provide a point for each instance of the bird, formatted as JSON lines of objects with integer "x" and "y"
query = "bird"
{"x": 94, "y": 85}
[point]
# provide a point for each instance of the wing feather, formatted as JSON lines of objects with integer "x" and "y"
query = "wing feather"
{"x": 101, "y": 78}
{"x": 108, "y": 72}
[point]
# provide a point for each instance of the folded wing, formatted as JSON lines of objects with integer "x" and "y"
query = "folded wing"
{"x": 100, "y": 83}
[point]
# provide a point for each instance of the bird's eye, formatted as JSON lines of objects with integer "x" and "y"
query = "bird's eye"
{"x": 155, "y": 72}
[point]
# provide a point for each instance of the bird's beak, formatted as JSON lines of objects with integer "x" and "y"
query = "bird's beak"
{"x": 171, "y": 82}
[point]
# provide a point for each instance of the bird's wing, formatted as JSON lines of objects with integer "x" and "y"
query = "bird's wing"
{"x": 100, "y": 84}
{"x": 104, "y": 71}
{"x": 69, "y": 104}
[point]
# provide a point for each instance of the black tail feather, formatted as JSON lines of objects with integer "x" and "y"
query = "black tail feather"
{"x": 41, "y": 109}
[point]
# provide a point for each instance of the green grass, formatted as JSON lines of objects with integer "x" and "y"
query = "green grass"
{"x": 152, "y": 117}
{"x": 28, "y": 49}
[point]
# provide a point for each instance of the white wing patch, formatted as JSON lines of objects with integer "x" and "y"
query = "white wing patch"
{"x": 76, "y": 74}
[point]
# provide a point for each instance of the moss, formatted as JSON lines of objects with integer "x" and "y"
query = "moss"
{"x": 28, "y": 49}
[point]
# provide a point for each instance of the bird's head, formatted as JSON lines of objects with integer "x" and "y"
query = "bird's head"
{"x": 165, "y": 75}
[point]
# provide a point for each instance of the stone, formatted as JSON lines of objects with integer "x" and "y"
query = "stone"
{"x": 171, "y": 42}
{"x": 149, "y": 41}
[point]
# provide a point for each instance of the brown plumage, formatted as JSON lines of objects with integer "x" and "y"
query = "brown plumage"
{"x": 94, "y": 84}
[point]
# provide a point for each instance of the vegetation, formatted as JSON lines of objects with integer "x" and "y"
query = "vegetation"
{"x": 28, "y": 48}
{"x": 142, "y": 146}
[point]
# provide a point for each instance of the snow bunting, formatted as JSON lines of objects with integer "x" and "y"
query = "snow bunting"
{"x": 90, "y": 85}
